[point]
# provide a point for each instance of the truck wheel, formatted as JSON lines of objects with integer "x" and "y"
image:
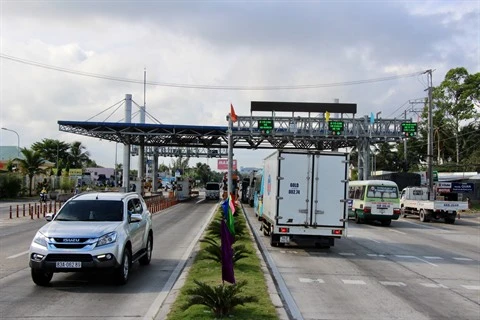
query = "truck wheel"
{"x": 386, "y": 223}
{"x": 450, "y": 220}
{"x": 424, "y": 217}
{"x": 357, "y": 219}
{"x": 144, "y": 260}
{"x": 402, "y": 211}
{"x": 41, "y": 277}
{"x": 273, "y": 240}
{"x": 122, "y": 273}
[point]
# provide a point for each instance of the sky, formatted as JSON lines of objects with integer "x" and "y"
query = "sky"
{"x": 218, "y": 43}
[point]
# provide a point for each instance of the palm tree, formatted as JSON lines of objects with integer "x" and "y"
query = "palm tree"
{"x": 77, "y": 156}
{"x": 30, "y": 165}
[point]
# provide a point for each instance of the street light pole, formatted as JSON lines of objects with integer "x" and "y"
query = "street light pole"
{"x": 18, "y": 140}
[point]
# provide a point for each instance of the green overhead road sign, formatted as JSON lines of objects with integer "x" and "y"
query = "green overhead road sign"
{"x": 336, "y": 127}
{"x": 409, "y": 129}
{"x": 265, "y": 125}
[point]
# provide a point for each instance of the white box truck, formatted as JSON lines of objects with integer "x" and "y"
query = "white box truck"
{"x": 304, "y": 197}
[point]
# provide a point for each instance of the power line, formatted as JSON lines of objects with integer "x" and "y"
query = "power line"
{"x": 208, "y": 87}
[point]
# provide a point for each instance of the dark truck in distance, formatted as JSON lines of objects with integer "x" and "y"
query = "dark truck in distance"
{"x": 212, "y": 190}
{"x": 402, "y": 179}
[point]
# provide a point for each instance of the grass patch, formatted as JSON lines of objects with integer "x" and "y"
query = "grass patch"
{"x": 208, "y": 271}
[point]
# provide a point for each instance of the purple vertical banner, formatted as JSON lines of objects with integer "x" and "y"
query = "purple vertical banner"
{"x": 227, "y": 253}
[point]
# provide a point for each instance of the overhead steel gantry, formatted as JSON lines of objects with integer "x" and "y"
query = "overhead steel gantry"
{"x": 273, "y": 130}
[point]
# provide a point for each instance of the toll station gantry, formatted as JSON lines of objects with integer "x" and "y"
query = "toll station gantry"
{"x": 270, "y": 125}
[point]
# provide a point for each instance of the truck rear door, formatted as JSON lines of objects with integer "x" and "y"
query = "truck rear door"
{"x": 294, "y": 188}
{"x": 329, "y": 190}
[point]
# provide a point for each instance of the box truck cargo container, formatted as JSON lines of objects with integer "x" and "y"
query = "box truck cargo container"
{"x": 304, "y": 197}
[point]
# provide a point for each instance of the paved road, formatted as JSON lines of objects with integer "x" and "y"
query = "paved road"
{"x": 79, "y": 296}
{"x": 409, "y": 271}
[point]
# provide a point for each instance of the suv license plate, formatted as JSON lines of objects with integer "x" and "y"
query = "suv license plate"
{"x": 284, "y": 239}
{"x": 68, "y": 264}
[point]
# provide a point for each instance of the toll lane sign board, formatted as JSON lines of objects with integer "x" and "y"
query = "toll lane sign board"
{"x": 265, "y": 126}
{"x": 336, "y": 127}
{"x": 409, "y": 129}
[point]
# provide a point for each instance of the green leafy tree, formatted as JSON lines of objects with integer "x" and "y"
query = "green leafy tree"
{"x": 203, "y": 173}
{"x": 30, "y": 165}
{"x": 78, "y": 158}
{"x": 55, "y": 151}
{"x": 456, "y": 98}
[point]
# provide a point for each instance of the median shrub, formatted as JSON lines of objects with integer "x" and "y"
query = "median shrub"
{"x": 205, "y": 296}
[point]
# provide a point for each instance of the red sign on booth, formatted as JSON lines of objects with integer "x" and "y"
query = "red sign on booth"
{"x": 223, "y": 164}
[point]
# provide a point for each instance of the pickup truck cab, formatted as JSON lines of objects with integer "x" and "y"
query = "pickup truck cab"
{"x": 415, "y": 201}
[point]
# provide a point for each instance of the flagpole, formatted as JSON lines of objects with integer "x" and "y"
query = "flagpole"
{"x": 230, "y": 155}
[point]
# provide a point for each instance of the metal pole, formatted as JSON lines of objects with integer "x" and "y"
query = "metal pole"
{"x": 18, "y": 140}
{"x": 430, "y": 137}
{"x": 230, "y": 156}
{"x": 405, "y": 147}
{"x": 126, "y": 145}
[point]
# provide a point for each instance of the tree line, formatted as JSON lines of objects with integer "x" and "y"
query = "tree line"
{"x": 456, "y": 128}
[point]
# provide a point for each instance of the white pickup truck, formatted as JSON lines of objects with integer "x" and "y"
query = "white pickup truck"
{"x": 414, "y": 201}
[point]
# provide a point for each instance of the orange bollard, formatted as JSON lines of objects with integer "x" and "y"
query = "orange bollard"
{"x": 10, "y": 212}
{"x": 17, "y": 210}
{"x": 24, "y": 209}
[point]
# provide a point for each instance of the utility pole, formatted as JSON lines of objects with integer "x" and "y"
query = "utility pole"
{"x": 405, "y": 147}
{"x": 430, "y": 136}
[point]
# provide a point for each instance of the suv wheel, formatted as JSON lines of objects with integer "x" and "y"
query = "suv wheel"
{"x": 121, "y": 273}
{"x": 41, "y": 277}
{"x": 145, "y": 259}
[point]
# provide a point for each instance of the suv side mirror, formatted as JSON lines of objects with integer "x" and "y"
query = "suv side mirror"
{"x": 135, "y": 217}
{"x": 49, "y": 217}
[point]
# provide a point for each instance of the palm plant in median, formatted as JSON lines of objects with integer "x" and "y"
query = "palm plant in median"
{"x": 30, "y": 165}
{"x": 221, "y": 299}
{"x": 214, "y": 251}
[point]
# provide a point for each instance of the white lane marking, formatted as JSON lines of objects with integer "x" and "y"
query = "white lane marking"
{"x": 462, "y": 259}
{"x": 157, "y": 303}
{"x": 471, "y": 287}
{"x": 432, "y": 264}
{"x": 375, "y": 255}
{"x": 17, "y": 255}
{"x": 346, "y": 254}
{"x": 347, "y": 281}
{"x": 433, "y": 258}
{"x": 392, "y": 230}
{"x": 413, "y": 257}
{"x": 390, "y": 283}
{"x": 373, "y": 240}
{"x": 434, "y": 285}
{"x": 307, "y": 280}
{"x": 425, "y": 226}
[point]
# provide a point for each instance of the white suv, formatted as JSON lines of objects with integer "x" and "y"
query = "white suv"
{"x": 93, "y": 231}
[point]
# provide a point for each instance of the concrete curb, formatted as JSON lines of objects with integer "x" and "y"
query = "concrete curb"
{"x": 271, "y": 287}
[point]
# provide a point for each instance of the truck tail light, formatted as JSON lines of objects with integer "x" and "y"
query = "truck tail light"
{"x": 396, "y": 211}
{"x": 367, "y": 210}
{"x": 284, "y": 230}
{"x": 337, "y": 232}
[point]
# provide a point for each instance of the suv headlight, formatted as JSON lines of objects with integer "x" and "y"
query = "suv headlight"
{"x": 40, "y": 239}
{"x": 107, "y": 239}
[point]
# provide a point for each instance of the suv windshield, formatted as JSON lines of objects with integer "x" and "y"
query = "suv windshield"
{"x": 91, "y": 210}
